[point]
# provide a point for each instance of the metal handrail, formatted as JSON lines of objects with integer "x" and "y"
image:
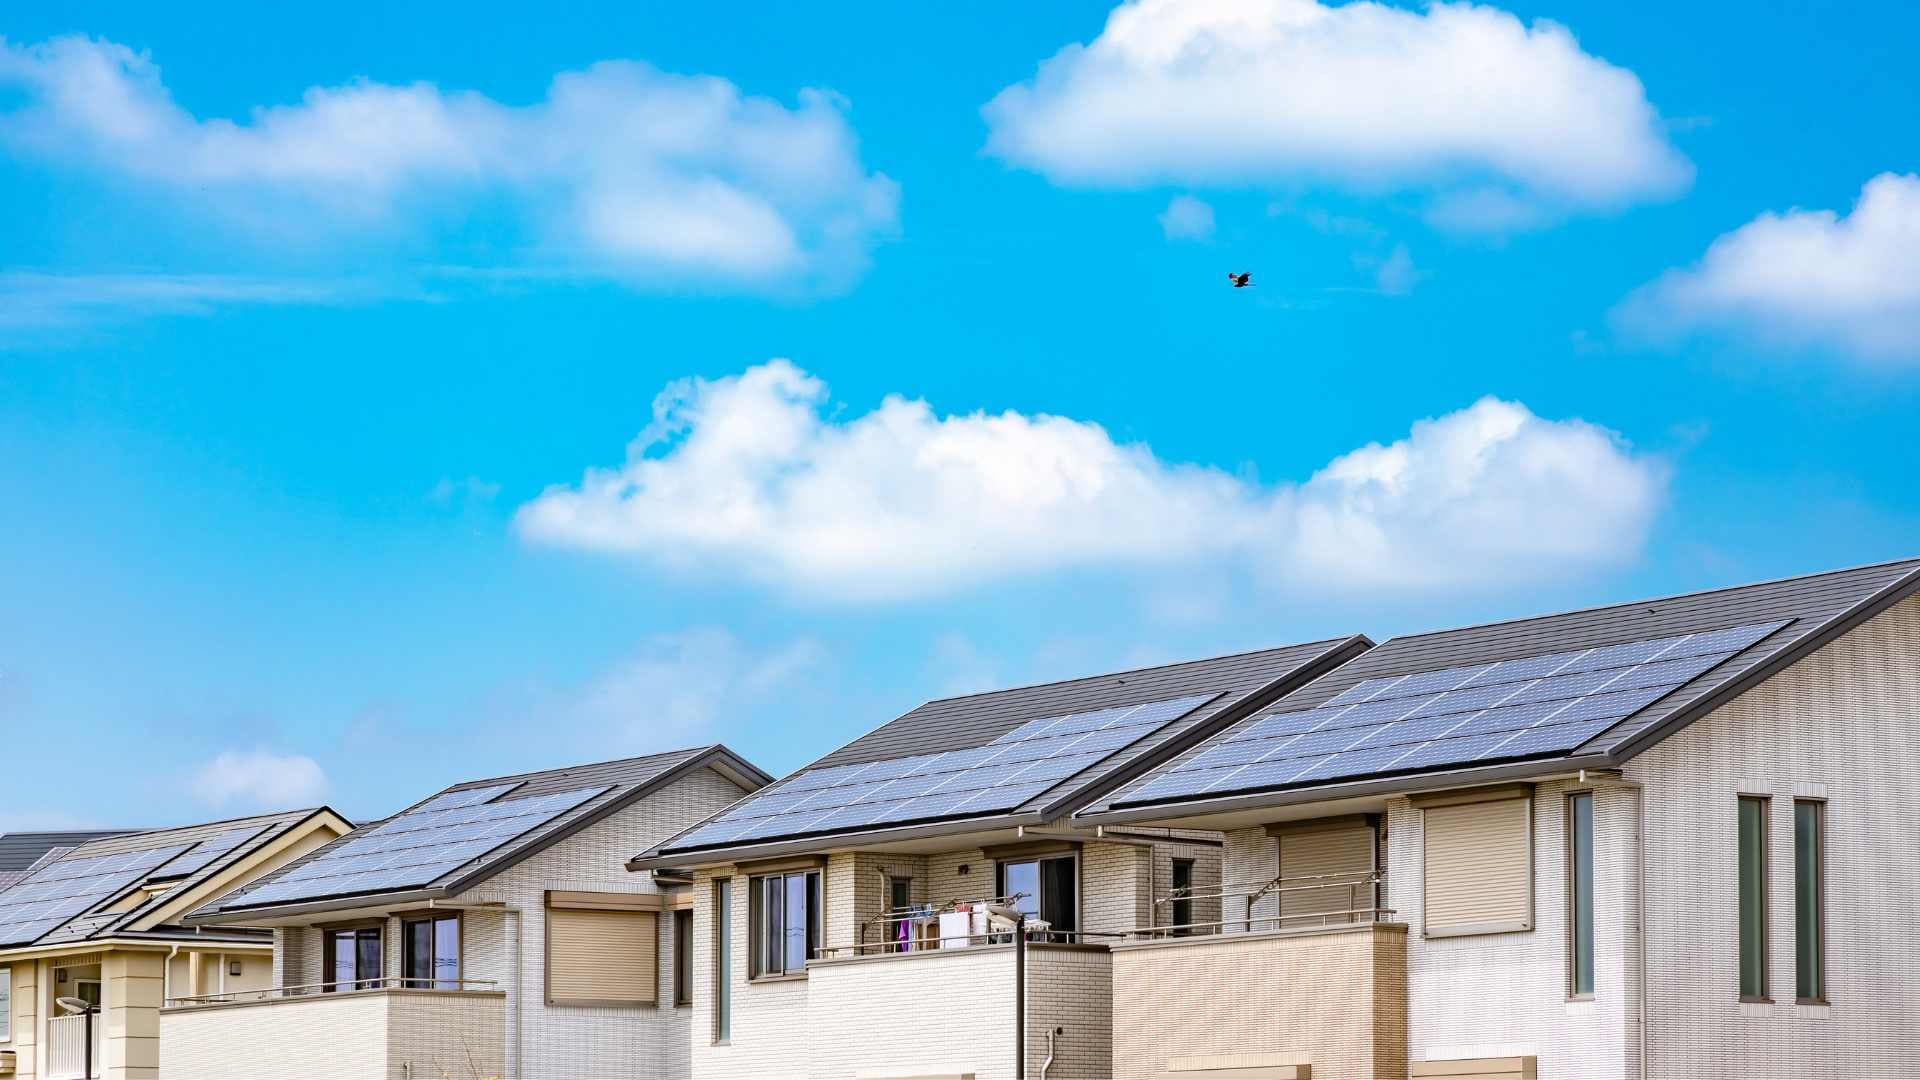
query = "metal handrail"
{"x": 921, "y": 911}
{"x": 377, "y": 982}
{"x": 1373, "y": 914}
{"x": 1275, "y": 886}
{"x": 994, "y": 937}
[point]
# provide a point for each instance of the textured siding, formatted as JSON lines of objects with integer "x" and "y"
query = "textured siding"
{"x": 1337, "y": 995}
{"x": 1840, "y": 724}
{"x": 368, "y": 1035}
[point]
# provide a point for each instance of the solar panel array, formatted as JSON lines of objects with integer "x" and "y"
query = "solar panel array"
{"x": 206, "y": 852}
{"x": 996, "y": 777}
{"x": 1450, "y": 717}
{"x": 418, "y": 846}
{"x": 58, "y": 891}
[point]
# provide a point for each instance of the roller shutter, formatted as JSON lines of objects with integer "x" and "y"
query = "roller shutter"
{"x": 1479, "y": 867}
{"x": 602, "y": 956}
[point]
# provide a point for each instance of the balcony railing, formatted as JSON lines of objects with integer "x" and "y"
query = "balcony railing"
{"x": 1358, "y": 893}
{"x": 383, "y": 982}
{"x": 955, "y": 924}
{"x": 73, "y": 1047}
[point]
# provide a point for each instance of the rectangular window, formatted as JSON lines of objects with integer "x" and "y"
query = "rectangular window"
{"x": 1580, "y": 894}
{"x": 6, "y": 1004}
{"x": 1183, "y": 900}
{"x": 1753, "y": 897}
{"x": 1810, "y": 900}
{"x": 353, "y": 958}
{"x": 432, "y": 953}
{"x": 683, "y": 956}
{"x": 1045, "y": 889}
{"x": 784, "y": 920}
{"x": 899, "y": 901}
{"x": 723, "y": 960}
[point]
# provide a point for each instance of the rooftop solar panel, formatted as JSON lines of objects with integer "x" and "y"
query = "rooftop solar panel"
{"x": 57, "y": 892}
{"x": 998, "y": 776}
{"x": 1453, "y": 716}
{"x": 417, "y": 847}
{"x": 208, "y": 851}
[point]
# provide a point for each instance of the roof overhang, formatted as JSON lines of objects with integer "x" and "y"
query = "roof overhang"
{"x": 134, "y": 943}
{"x": 301, "y": 914}
{"x": 1259, "y": 806}
{"x": 932, "y": 837}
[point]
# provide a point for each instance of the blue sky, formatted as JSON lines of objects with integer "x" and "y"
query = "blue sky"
{"x": 300, "y": 389}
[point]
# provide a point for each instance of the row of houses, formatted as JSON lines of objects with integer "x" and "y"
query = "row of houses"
{"x": 1665, "y": 839}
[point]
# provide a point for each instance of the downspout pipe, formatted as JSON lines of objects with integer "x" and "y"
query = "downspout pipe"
{"x": 1020, "y": 997}
{"x": 1640, "y": 910}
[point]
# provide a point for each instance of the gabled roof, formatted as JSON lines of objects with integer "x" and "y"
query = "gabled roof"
{"x": 62, "y": 900}
{"x": 19, "y": 851}
{"x": 1381, "y": 722}
{"x": 1039, "y": 750}
{"x": 464, "y": 834}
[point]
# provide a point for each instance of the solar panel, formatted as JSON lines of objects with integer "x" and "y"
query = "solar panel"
{"x": 417, "y": 846}
{"x": 208, "y": 851}
{"x": 1452, "y": 716}
{"x": 57, "y": 892}
{"x": 998, "y": 776}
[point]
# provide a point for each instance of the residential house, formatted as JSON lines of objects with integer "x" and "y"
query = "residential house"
{"x": 918, "y": 903}
{"x": 21, "y": 852}
{"x": 488, "y": 930}
{"x": 1664, "y": 839}
{"x": 91, "y": 938}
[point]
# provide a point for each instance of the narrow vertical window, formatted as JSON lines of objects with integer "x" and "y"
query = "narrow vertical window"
{"x": 683, "y": 956}
{"x": 723, "y": 960}
{"x": 1182, "y": 896}
{"x": 1809, "y": 900}
{"x": 1753, "y": 897}
{"x": 1580, "y": 894}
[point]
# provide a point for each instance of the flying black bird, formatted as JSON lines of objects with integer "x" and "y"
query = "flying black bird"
{"x": 1240, "y": 281}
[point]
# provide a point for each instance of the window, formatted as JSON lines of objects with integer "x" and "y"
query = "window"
{"x": 683, "y": 956}
{"x": 1183, "y": 903}
{"x": 899, "y": 900}
{"x": 1478, "y": 853}
{"x": 1580, "y": 894}
{"x": 353, "y": 958}
{"x": 784, "y": 916}
{"x": 1810, "y": 900}
{"x": 1326, "y": 869}
{"x": 431, "y": 953}
{"x": 1753, "y": 898}
{"x": 723, "y": 960}
{"x": 1044, "y": 889}
{"x": 603, "y": 948}
{"x": 6, "y": 1004}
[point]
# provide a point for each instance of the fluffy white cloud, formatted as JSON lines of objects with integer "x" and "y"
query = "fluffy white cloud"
{"x": 749, "y": 476}
{"x": 1804, "y": 278}
{"x": 621, "y": 169}
{"x": 1187, "y": 218}
{"x": 1462, "y": 99}
{"x": 260, "y": 779}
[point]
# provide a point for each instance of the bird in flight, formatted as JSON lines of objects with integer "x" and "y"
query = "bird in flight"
{"x": 1240, "y": 281}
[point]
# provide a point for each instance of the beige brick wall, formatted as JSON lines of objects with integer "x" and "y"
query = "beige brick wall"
{"x": 1338, "y": 995}
{"x": 945, "y": 1012}
{"x": 1841, "y": 725}
{"x": 365, "y": 1035}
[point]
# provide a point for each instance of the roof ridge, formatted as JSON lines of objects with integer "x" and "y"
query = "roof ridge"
{"x": 684, "y": 752}
{"x": 1914, "y": 560}
{"x": 1136, "y": 671}
{"x": 135, "y": 834}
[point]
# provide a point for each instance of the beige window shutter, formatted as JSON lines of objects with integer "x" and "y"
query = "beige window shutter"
{"x": 602, "y": 957}
{"x": 1479, "y": 867}
{"x": 1342, "y": 854}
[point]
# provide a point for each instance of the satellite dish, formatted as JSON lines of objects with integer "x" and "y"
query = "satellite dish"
{"x": 74, "y": 1005}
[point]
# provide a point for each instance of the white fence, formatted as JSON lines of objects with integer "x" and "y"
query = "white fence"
{"x": 68, "y": 1055}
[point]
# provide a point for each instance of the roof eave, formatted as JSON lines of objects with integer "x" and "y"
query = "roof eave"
{"x": 809, "y": 844}
{"x": 1396, "y": 785}
{"x": 1900, "y": 589}
{"x": 253, "y": 915}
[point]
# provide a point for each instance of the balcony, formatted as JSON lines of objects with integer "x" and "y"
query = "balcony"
{"x": 371, "y": 1030}
{"x": 73, "y": 1046}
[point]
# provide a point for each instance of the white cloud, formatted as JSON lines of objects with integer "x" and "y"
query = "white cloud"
{"x": 1396, "y": 275}
{"x": 748, "y": 476}
{"x": 260, "y": 779}
{"x": 1804, "y": 278}
{"x": 32, "y": 301}
{"x": 621, "y": 170}
{"x": 1187, "y": 218}
{"x": 679, "y": 686}
{"x": 1461, "y": 99}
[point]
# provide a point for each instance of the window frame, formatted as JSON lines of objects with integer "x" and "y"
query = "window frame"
{"x": 723, "y": 901}
{"x": 767, "y": 946}
{"x": 6, "y": 1004}
{"x": 1578, "y": 906}
{"x": 682, "y": 957}
{"x": 1040, "y": 875}
{"x": 1182, "y": 907}
{"x": 1762, "y": 916}
{"x": 1819, "y": 920}
{"x": 360, "y": 981}
{"x": 407, "y": 923}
